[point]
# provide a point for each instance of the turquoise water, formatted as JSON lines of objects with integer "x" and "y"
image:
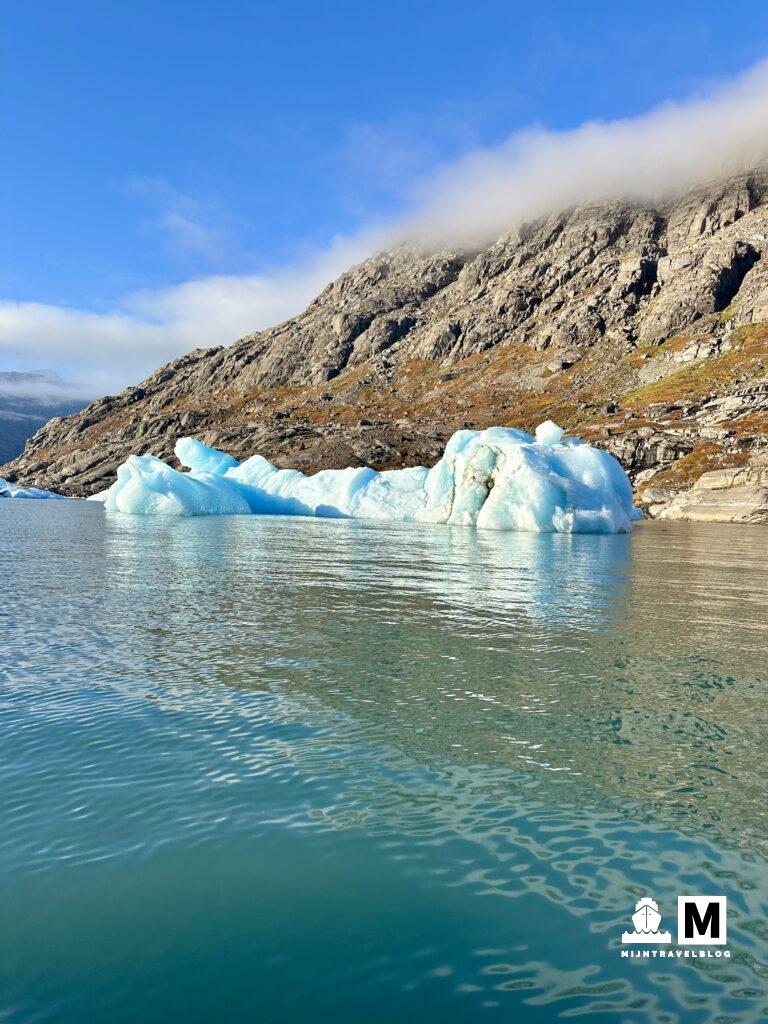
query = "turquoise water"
{"x": 264, "y": 769}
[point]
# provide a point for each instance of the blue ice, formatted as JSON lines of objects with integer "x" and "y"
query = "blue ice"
{"x": 500, "y": 479}
{"x": 9, "y": 490}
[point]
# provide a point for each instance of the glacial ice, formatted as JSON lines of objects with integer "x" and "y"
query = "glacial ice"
{"x": 9, "y": 490}
{"x": 498, "y": 478}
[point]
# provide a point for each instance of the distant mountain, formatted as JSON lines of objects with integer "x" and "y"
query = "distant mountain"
{"x": 27, "y": 402}
{"x": 640, "y": 328}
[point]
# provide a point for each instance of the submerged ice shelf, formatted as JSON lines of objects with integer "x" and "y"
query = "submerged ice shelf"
{"x": 499, "y": 478}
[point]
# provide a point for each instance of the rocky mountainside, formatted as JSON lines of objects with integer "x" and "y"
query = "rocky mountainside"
{"x": 642, "y": 329}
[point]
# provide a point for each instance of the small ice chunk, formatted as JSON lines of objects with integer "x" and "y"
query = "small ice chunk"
{"x": 549, "y": 433}
{"x": 9, "y": 490}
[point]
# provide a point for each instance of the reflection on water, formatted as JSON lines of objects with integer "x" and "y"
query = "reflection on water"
{"x": 265, "y": 766}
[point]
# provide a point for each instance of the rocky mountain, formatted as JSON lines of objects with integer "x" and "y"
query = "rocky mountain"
{"x": 27, "y": 402}
{"x": 643, "y": 329}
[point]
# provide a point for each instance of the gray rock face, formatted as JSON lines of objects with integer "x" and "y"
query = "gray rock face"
{"x": 725, "y": 495}
{"x": 642, "y": 329}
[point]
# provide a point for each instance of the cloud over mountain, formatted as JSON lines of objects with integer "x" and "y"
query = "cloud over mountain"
{"x": 535, "y": 172}
{"x": 479, "y": 196}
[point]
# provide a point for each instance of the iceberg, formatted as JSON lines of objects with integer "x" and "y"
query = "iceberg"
{"x": 499, "y": 478}
{"x": 9, "y": 490}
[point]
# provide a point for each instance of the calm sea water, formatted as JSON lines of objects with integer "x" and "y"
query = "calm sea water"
{"x": 264, "y": 769}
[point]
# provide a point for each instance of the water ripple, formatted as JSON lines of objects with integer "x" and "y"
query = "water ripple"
{"x": 254, "y": 766}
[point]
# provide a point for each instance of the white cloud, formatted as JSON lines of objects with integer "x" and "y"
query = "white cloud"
{"x": 475, "y": 199}
{"x": 193, "y": 228}
{"x": 107, "y": 351}
{"x": 537, "y": 172}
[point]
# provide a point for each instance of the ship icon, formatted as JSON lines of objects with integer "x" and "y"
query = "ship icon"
{"x": 646, "y": 920}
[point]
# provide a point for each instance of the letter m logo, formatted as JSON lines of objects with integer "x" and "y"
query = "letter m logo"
{"x": 701, "y": 920}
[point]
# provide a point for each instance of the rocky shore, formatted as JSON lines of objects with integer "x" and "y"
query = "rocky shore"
{"x": 643, "y": 330}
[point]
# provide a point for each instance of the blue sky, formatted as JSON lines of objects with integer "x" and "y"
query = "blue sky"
{"x": 149, "y": 145}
